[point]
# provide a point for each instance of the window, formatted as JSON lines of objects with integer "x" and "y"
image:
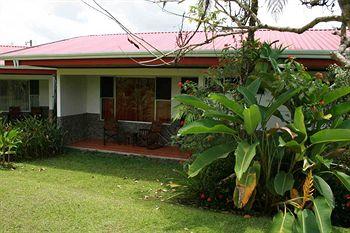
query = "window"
{"x": 163, "y": 99}
{"x": 14, "y": 93}
{"x": 107, "y": 97}
{"x": 34, "y": 93}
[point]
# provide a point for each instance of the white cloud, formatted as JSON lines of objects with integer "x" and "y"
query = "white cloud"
{"x": 48, "y": 20}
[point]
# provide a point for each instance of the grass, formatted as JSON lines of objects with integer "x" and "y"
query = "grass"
{"x": 85, "y": 192}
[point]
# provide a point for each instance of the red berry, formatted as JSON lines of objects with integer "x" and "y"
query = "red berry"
{"x": 202, "y": 196}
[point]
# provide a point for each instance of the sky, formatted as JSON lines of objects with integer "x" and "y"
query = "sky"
{"x": 44, "y": 21}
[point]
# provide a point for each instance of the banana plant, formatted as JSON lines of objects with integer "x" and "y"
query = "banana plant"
{"x": 261, "y": 152}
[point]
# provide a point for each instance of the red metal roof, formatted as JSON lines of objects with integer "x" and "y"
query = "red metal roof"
{"x": 312, "y": 40}
{"x": 9, "y": 48}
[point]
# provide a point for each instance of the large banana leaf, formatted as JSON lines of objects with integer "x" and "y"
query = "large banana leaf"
{"x": 283, "y": 182}
{"x": 193, "y": 101}
{"x": 246, "y": 185}
{"x": 282, "y": 223}
{"x": 279, "y": 101}
{"x": 331, "y": 135}
{"x": 254, "y": 86}
{"x": 252, "y": 118}
{"x": 220, "y": 115}
{"x": 228, "y": 103}
{"x": 324, "y": 189}
{"x": 244, "y": 156}
{"x": 206, "y": 126}
{"x": 344, "y": 178}
{"x": 323, "y": 214}
{"x": 336, "y": 94}
{"x": 249, "y": 97}
{"x": 340, "y": 109}
{"x": 207, "y": 157}
{"x": 306, "y": 222}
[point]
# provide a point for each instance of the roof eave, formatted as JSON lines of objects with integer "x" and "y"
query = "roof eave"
{"x": 308, "y": 54}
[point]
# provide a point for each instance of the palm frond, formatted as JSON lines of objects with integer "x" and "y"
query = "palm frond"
{"x": 276, "y": 7}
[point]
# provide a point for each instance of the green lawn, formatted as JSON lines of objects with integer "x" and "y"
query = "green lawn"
{"x": 84, "y": 192}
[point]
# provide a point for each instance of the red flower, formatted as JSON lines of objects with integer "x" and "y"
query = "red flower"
{"x": 187, "y": 81}
{"x": 202, "y": 196}
{"x": 182, "y": 123}
{"x": 220, "y": 196}
{"x": 209, "y": 199}
{"x": 348, "y": 204}
{"x": 347, "y": 196}
{"x": 179, "y": 84}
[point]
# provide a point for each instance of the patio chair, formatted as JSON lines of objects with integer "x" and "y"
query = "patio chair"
{"x": 36, "y": 112}
{"x": 14, "y": 113}
{"x": 110, "y": 130}
{"x": 151, "y": 137}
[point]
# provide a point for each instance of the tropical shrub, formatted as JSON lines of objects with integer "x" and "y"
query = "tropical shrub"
{"x": 40, "y": 138}
{"x": 285, "y": 165}
{"x": 9, "y": 141}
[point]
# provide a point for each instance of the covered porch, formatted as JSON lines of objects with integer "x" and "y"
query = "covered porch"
{"x": 166, "y": 152}
{"x": 134, "y": 97}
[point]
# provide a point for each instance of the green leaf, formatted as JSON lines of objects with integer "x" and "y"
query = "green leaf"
{"x": 283, "y": 182}
{"x": 282, "y": 223}
{"x": 306, "y": 222}
{"x": 299, "y": 120}
{"x": 279, "y": 101}
{"x": 208, "y": 156}
{"x": 244, "y": 155}
{"x": 193, "y": 101}
{"x": 228, "y": 103}
{"x": 252, "y": 118}
{"x": 206, "y": 126}
{"x": 344, "y": 125}
{"x": 253, "y": 87}
{"x": 336, "y": 94}
{"x": 248, "y": 95}
{"x": 344, "y": 178}
{"x": 220, "y": 115}
{"x": 331, "y": 135}
{"x": 340, "y": 109}
{"x": 323, "y": 215}
{"x": 324, "y": 189}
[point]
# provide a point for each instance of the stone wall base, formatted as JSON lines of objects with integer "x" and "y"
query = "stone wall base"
{"x": 90, "y": 126}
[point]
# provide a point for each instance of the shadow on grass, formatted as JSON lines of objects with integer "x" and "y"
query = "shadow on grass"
{"x": 133, "y": 167}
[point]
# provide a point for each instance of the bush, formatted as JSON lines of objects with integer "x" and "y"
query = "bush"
{"x": 9, "y": 141}
{"x": 40, "y": 138}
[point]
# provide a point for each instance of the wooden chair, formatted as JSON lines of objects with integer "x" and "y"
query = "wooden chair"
{"x": 36, "y": 112}
{"x": 110, "y": 130}
{"x": 14, "y": 113}
{"x": 150, "y": 138}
